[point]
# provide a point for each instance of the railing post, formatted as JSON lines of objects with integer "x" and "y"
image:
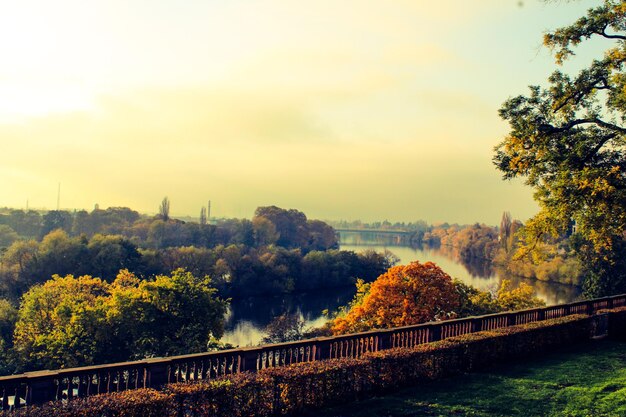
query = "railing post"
{"x": 511, "y": 319}
{"x": 435, "y": 332}
{"x": 5, "y": 399}
{"x": 250, "y": 360}
{"x": 322, "y": 349}
{"x": 476, "y": 325}
{"x": 541, "y": 314}
{"x": 43, "y": 387}
{"x": 158, "y": 373}
{"x": 384, "y": 340}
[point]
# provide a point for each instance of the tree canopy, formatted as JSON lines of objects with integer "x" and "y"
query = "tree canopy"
{"x": 568, "y": 141}
{"x": 404, "y": 295}
{"x": 71, "y": 321}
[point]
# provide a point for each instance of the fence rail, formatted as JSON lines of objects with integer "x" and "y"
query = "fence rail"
{"x": 65, "y": 384}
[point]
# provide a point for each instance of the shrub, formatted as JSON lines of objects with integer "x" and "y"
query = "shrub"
{"x": 133, "y": 403}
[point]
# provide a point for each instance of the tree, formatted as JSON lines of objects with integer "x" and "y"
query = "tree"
{"x": 568, "y": 141}
{"x": 285, "y": 328}
{"x": 56, "y": 219}
{"x": 404, "y": 295}
{"x": 505, "y": 230}
{"x": 171, "y": 315}
{"x": 164, "y": 209}
{"x": 62, "y": 323}
{"x": 7, "y": 236}
{"x": 474, "y": 302}
{"x": 81, "y": 321}
{"x": 8, "y": 316}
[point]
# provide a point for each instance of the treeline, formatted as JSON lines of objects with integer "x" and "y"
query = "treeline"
{"x": 270, "y": 226}
{"x": 236, "y": 269}
{"x": 551, "y": 259}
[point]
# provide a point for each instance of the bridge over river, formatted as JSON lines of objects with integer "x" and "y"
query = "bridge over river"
{"x": 374, "y": 237}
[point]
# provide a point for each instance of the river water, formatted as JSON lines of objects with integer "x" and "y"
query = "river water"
{"x": 248, "y": 317}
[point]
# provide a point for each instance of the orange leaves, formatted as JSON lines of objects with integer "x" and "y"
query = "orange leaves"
{"x": 402, "y": 296}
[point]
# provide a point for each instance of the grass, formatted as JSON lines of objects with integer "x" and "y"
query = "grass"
{"x": 586, "y": 380}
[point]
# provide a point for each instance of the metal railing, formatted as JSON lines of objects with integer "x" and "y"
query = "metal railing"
{"x": 65, "y": 384}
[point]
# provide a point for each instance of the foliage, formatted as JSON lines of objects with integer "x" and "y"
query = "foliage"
{"x": 7, "y": 236}
{"x": 293, "y": 230}
{"x": 68, "y": 322}
{"x": 135, "y": 403}
{"x": 285, "y": 328}
{"x": 475, "y": 302}
{"x": 8, "y": 317}
{"x": 404, "y": 295}
{"x": 238, "y": 270}
{"x": 567, "y": 140}
{"x": 170, "y": 315}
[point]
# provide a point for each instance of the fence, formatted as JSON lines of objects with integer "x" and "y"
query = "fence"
{"x": 64, "y": 384}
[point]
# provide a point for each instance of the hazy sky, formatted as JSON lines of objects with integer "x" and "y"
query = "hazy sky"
{"x": 344, "y": 109}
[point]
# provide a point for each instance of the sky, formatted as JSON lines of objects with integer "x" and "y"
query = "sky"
{"x": 351, "y": 109}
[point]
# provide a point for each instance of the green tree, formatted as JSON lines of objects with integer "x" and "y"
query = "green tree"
{"x": 61, "y": 323}
{"x": 568, "y": 141}
{"x": 80, "y": 321}
{"x": 171, "y": 315}
{"x": 285, "y": 328}
{"x": 7, "y": 236}
{"x": 8, "y": 317}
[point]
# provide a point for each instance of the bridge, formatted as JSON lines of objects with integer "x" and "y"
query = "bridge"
{"x": 64, "y": 384}
{"x": 365, "y": 236}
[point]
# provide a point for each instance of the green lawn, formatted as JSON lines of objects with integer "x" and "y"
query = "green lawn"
{"x": 588, "y": 380}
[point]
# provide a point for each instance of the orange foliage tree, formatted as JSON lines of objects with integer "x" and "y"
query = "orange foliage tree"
{"x": 404, "y": 295}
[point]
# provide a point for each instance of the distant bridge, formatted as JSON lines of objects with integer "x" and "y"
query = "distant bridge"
{"x": 377, "y": 231}
{"x": 370, "y": 236}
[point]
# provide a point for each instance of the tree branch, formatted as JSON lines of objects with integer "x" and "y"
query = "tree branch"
{"x": 599, "y": 146}
{"x": 600, "y": 83}
{"x": 606, "y": 35}
{"x": 549, "y": 129}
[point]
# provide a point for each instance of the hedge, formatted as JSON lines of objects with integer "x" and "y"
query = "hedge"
{"x": 292, "y": 389}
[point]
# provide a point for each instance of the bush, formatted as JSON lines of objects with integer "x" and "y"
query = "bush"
{"x": 133, "y": 403}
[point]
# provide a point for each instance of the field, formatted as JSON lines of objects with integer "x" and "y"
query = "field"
{"x": 588, "y": 380}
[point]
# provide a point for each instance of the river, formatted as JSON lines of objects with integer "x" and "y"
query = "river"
{"x": 247, "y": 318}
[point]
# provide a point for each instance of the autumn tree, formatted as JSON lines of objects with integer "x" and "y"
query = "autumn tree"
{"x": 404, "y": 295}
{"x": 568, "y": 141}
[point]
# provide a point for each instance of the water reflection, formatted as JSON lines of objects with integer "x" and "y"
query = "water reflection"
{"x": 476, "y": 272}
{"x": 248, "y": 317}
